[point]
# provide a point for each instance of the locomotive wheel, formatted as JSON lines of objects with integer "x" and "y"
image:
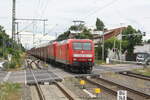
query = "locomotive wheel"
{"x": 67, "y": 68}
{"x": 88, "y": 71}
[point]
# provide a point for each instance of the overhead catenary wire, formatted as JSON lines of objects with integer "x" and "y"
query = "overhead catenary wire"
{"x": 93, "y": 12}
{"x": 129, "y": 19}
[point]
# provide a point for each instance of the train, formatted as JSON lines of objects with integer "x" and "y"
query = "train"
{"x": 76, "y": 54}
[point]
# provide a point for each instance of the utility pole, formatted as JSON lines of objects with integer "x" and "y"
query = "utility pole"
{"x": 13, "y": 18}
{"x": 121, "y": 29}
{"x": 56, "y": 35}
{"x": 121, "y": 45}
{"x": 34, "y": 20}
{"x": 103, "y": 47}
{"x": 17, "y": 32}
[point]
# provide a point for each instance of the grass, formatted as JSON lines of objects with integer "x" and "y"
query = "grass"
{"x": 15, "y": 64}
{"x": 10, "y": 91}
{"x": 145, "y": 71}
{"x": 100, "y": 62}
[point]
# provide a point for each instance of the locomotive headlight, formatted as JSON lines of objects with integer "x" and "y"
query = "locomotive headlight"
{"x": 74, "y": 59}
{"x": 89, "y": 59}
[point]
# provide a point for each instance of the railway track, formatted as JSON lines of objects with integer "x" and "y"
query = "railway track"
{"x": 103, "y": 87}
{"x": 113, "y": 87}
{"x": 40, "y": 88}
{"x": 131, "y": 74}
{"x": 70, "y": 97}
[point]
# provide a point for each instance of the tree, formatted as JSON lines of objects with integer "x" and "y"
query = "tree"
{"x": 132, "y": 36}
{"x": 63, "y": 36}
{"x": 6, "y": 44}
{"x": 79, "y": 27}
{"x": 109, "y": 44}
{"x": 99, "y": 25}
{"x": 85, "y": 34}
{"x": 148, "y": 41}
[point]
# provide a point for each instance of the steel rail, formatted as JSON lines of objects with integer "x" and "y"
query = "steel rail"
{"x": 39, "y": 90}
{"x": 111, "y": 91}
{"x": 147, "y": 96}
{"x": 41, "y": 95}
{"x": 131, "y": 74}
{"x": 64, "y": 92}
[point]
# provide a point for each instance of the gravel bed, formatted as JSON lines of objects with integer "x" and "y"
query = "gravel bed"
{"x": 26, "y": 93}
{"x": 76, "y": 88}
{"x": 73, "y": 85}
{"x": 116, "y": 88}
{"x": 135, "y": 83}
{"x": 104, "y": 95}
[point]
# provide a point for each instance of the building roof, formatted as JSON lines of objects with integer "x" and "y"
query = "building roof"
{"x": 112, "y": 33}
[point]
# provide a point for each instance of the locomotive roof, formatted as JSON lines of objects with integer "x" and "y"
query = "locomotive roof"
{"x": 60, "y": 42}
{"x": 70, "y": 40}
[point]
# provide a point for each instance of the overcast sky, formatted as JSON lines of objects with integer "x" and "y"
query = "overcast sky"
{"x": 61, "y": 13}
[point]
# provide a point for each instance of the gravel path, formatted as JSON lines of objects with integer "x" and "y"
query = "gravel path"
{"x": 26, "y": 95}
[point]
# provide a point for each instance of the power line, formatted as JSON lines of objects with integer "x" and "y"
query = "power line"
{"x": 129, "y": 19}
{"x": 100, "y": 8}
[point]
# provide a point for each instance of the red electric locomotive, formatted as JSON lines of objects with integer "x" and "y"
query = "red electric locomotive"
{"x": 75, "y": 54}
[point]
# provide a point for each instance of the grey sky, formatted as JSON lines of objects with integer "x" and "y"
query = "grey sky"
{"x": 62, "y": 12}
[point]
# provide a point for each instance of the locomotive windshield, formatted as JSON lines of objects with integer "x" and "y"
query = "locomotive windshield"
{"x": 82, "y": 46}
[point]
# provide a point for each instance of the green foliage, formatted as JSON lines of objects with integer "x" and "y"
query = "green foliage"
{"x": 7, "y": 89}
{"x": 8, "y": 46}
{"x": 100, "y": 62}
{"x": 98, "y": 51}
{"x": 145, "y": 71}
{"x": 63, "y": 36}
{"x": 148, "y": 41}
{"x": 7, "y": 43}
{"x": 86, "y": 34}
{"x": 133, "y": 39}
{"x": 79, "y": 27}
{"x": 109, "y": 44}
{"x": 99, "y": 25}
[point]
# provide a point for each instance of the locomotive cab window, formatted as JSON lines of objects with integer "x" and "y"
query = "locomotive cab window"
{"x": 77, "y": 46}
{"x": 82, "y": 46}
{"x": 87, "y": 46}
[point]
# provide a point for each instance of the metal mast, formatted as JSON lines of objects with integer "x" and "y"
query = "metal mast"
{"x": 13, "y": 18}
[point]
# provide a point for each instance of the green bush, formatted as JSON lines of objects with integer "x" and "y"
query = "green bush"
{"x": 12, "y": 65}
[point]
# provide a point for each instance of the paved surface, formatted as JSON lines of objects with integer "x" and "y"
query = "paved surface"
{"x": 115, "y": 68}
{"x": 60, "y": 72}
{"x": 25, "y": 76}
{"x": 15, "y": 77}
{"x": 2, "y": 75}
{"x": 41, "y": 76}
{"x": 54, "y": 74}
